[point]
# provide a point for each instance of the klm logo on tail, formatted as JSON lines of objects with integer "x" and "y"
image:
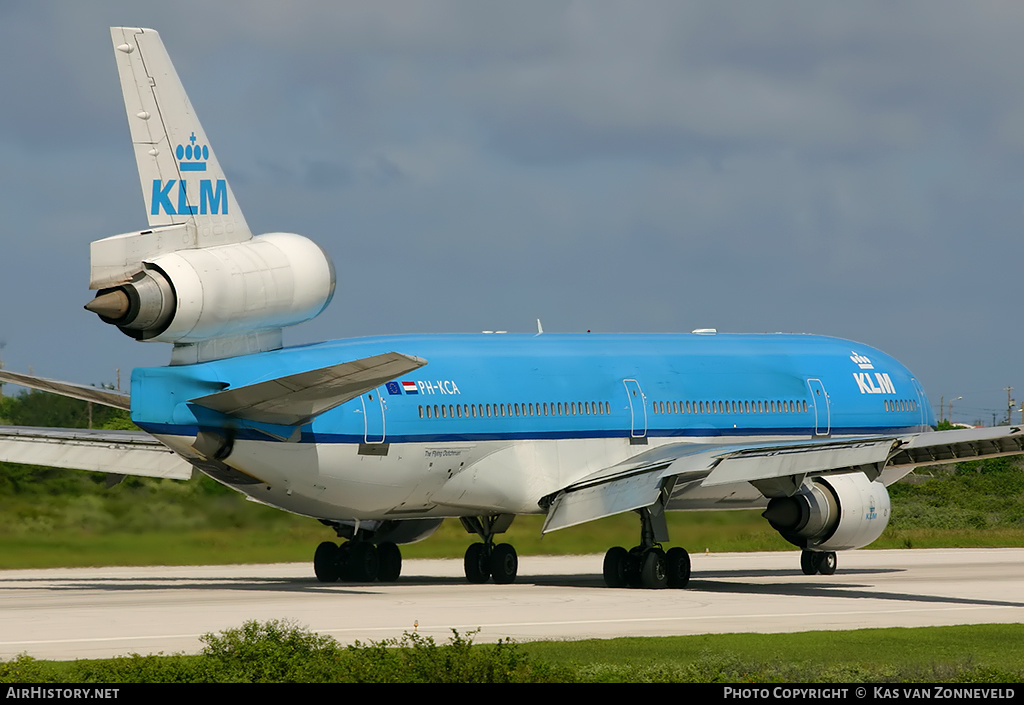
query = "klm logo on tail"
{"x": 213, "y": 195}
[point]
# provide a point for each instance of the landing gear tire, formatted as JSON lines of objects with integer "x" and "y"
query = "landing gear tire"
{"x": 327, "y": 562}
{"x": 677, "y": 567}
{"x": 504, "y": 564}
{"x": 363, "y": 564}
{"x": 809, "y": 562}
{"x": 616, "y": 563}
{"x": 634, "y": 567}
{"x": 652, "y": 571}
{"x": 818, "y": 562}
{"x": 827, "y": 564}
{"x": 389, "y": 559}
{"x": 477, "y": 563}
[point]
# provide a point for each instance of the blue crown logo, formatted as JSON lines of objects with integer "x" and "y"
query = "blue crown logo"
{"x": 192, "y": 157}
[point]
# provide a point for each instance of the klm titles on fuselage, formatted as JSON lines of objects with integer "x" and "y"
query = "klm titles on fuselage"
{"x": 871, "y": 382}
{"x": 213, "y": 195}
{"x": 878, "y": 384}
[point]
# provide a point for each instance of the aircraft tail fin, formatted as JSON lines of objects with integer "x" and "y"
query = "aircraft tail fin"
{"x": 182, "y": 181}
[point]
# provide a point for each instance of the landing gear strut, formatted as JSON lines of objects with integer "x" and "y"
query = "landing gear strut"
{"x": 487, "y": 560}
{"x": 648, "y": 565}
{"x": 822, "y": 562}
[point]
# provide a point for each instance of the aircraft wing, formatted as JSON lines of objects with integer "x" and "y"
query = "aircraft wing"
{"x": 296, "y": 399}
{"x": 116, "y": 452}
{"x": 668, "y": 473}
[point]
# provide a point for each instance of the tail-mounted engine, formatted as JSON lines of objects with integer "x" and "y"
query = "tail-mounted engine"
{"x": 194, "y": 295}
{"x": 832, "y": 513}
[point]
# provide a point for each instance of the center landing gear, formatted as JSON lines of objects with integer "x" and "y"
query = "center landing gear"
{"x": 357, "y": 561}
{"x": 821, "y": 562}
{"x": 487, "y": 560}
{"x": 648, "y": 565}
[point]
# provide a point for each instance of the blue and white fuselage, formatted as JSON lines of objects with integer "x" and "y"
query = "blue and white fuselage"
{"x": 493, "y": 423}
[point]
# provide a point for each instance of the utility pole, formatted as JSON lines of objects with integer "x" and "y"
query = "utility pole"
{"x": 1009, "y": 404}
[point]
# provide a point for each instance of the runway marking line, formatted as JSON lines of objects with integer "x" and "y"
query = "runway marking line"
{"x": 497, "y": 625}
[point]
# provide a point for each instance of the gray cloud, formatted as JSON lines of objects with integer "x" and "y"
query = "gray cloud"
{"x": 851, "y": 169}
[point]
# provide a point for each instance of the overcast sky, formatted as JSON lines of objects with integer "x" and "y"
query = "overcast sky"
{"x": 850, "y": 169}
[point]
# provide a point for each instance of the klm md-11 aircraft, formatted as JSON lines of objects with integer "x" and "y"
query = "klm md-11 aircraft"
{"x": 382, "y": 438}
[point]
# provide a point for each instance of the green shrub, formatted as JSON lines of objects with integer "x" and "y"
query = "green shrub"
{"x": 419, "y": 659}
{"x": 271, "y": 652}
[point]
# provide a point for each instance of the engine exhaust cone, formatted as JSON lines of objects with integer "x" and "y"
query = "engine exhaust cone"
{"x": 113, "y": 305}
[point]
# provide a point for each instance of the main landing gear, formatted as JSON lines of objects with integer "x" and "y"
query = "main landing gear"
{"x": 357, "y": 561}
{"x": 487, "y": 560}
{"x": 648, "y": 565}
{"x": 818, "y": 562}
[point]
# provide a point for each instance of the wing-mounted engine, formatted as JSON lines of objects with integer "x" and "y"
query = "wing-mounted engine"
{"x": 194, "y": 296}
{"x": 832, "y": 513}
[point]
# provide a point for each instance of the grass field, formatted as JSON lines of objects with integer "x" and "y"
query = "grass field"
{"x": 993, "y": 652}
{"x": 280, "y": 652}
{"x": 284, "y": 538}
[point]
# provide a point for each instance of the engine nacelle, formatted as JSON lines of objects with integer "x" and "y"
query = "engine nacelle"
{"x": 193, "y": 295}
{"x": 832, "y": 513}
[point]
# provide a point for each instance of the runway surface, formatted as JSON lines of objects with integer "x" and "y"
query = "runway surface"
{"x": 96, "y": 612}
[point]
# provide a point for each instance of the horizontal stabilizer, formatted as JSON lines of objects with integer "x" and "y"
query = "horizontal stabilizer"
{"x": 107, "y": 397}
{"x": 117, "y": 452}
{"x": 298, "y": 399}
